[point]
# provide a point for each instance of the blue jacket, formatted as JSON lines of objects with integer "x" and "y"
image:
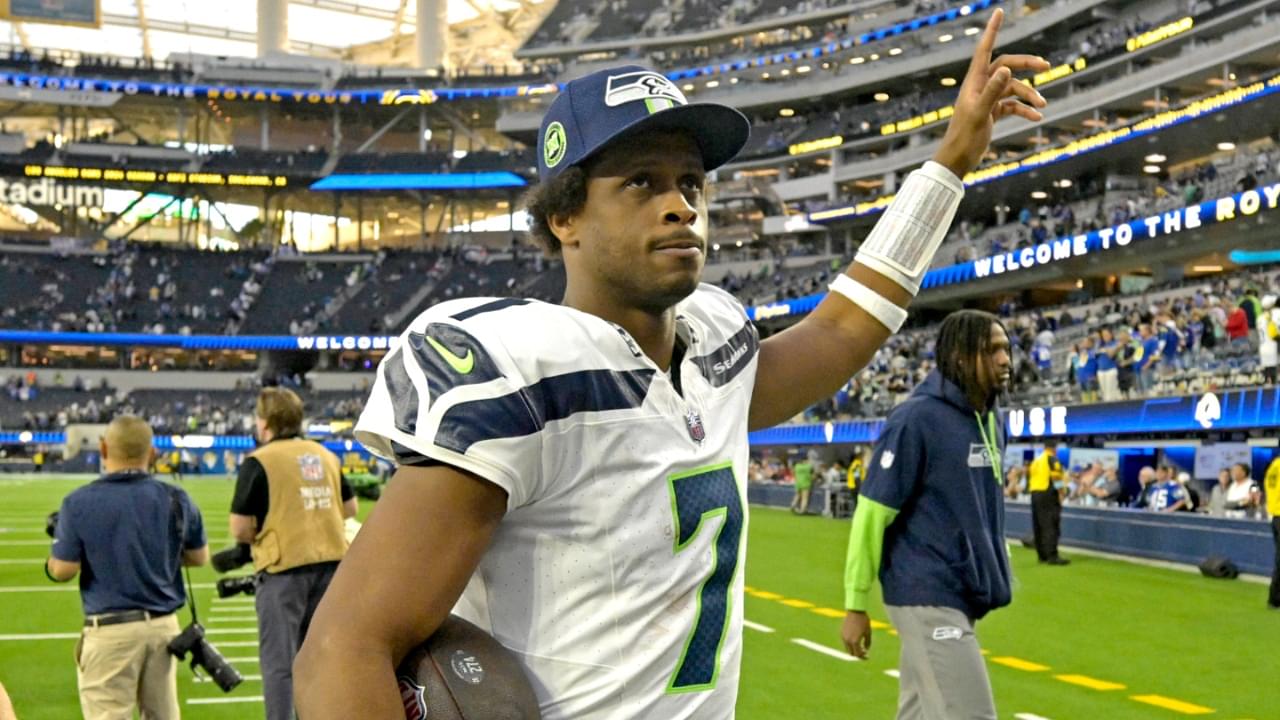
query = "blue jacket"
{"x": 946, "y": 545}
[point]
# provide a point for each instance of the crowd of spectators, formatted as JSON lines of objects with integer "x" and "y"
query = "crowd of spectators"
{"x": 29, "y": 405}
{"x": 1161, "y": 488}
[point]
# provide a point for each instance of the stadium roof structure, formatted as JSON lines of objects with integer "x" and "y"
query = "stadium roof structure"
{"x": 372, "y": 32}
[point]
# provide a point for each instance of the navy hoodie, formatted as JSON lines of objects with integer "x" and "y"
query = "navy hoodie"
{"x": 946, "y": 546}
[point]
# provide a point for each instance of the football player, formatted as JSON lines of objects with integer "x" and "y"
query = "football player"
{"x": 572, "y": 477}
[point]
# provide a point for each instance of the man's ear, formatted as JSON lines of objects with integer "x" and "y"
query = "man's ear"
{"x": 564, "y": 227}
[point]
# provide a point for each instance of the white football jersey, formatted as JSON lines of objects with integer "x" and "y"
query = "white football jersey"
{"x": 617, "y": 573}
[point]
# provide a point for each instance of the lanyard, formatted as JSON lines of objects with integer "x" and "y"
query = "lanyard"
{"x": 989, "y": 441}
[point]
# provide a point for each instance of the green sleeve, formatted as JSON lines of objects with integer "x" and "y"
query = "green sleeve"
{"x": 866, "y": 541}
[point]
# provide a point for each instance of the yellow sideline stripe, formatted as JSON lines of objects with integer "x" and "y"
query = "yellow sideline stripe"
{"x": 1019, "y": 664}
{"x": 1091, "y": 683}
{"x": 802, "y": 604}
{"x": 828, "y": 612}
{"x": 1161, "y": 701}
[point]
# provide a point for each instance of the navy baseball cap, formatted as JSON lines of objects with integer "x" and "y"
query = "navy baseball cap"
{"x": 597, "y": 109}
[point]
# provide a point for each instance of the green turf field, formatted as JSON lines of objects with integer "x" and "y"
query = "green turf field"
{"x": 1114, "y": 630}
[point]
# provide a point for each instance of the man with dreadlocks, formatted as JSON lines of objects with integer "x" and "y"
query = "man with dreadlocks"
{"x": 930, "y": 520}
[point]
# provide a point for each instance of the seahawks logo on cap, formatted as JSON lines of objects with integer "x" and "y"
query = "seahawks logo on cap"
{"x": 554, "y": 145}
{"x": 647, "y": 86}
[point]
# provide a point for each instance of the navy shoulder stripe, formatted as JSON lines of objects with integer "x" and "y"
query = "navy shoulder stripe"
{"x": 404, "y": 396}
{"x": 489, "y": 307}
{"x": 529, "y": 409}
{"x": 722, "y": 365}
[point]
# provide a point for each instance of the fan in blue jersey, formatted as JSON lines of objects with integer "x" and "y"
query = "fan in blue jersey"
{"x": 1168, "y": 496}
{"x": 572, "y": 478}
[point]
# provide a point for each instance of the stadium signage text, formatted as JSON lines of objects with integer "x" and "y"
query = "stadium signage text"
{"x": 1246, "y": 204}
{"x": 347, "y": 342}
{"x": 815, "y": 145}
{"x": 49, "y": 192}
{"x": 918, "y": 121}
{"x": 152, "y": 176}
{"x": 1038, "y": 422}
{"x": 304, "y": 96}
{"x": 1160, "y": 34}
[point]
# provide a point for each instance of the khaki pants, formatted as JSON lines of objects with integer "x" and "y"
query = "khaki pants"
{"x": 120, "y": 667}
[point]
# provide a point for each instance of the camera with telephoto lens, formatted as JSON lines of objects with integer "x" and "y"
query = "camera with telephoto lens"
{"x": 205, "y": 657}
{"x": 234, "y": 586}
{"x": 224, "y": 561}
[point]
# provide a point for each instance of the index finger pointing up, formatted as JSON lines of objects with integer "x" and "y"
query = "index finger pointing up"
{"x": 982, "y": 55}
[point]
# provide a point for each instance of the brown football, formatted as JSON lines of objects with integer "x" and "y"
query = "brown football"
{"x": 462, "y": 673}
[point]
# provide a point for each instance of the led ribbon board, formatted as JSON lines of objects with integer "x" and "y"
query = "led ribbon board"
{"x": 203, "y": 342}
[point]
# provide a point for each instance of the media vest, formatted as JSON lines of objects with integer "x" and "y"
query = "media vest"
{"x": 304, "y": 523}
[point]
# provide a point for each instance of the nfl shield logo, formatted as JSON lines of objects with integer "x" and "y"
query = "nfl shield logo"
{"x": 312, "y": 468}
{"x": 694, "y": 423}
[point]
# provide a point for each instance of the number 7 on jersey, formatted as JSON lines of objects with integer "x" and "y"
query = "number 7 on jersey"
{"x": 698, "y": 497}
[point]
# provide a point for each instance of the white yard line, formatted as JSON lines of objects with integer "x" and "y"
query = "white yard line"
{"x": 224, "y": 700}
{"x": 829, "y": 652}
{"x": 38, "y": 636}
{"x": 757, "y": 626}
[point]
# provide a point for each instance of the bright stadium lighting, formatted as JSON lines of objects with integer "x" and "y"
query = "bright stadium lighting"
{"x": 1063, "y": 183}
{"x": 764, "y": 76}
{"x": 24, "y": 436}
{"x": 857, "y": 60}
{"x": 1039, "y": 195}
{"x": 1226, "y": 146}
{"x": 882, "y": 97}
{"x": 971, "y": 31}
{"x": 948, "y": 82}
{"x": 1207, "y": 268}
{"x": 875, "y": 56}
{"x": 946, "y": 38}
{"x": 688, "y": 87}
{"x": 459, "y": 154}
{"x": 716, "y": 247}
{"x": 785, "y": 72}
{"x": 426, "y": 134}
{"x": 965, "y": 10}
{"x": 733, "y": 81}
{"x": 713, "y": 84}
{"x": 1155, "y": 158}
{"x": 786, "y": 112}
{"x": 803, "y": 69}
{"x": 1151, "y": 169}
{"x": 895, "y": 51}
{"x": 739, "y": 243}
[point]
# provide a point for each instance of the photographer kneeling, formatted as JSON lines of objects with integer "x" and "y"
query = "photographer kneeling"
{"x": 123, "y": 532}
{"x": 290, "y": 503}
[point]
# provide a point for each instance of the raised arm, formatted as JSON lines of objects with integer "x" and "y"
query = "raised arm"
{"x": 397, "y": 583}
{"x": 813, "y": 358}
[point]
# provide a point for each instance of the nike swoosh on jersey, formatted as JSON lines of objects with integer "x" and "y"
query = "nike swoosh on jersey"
{"x": 461, "y": 365}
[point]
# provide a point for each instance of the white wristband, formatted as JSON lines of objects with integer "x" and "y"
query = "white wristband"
{"x": 904, "y": 241}
{"x": 877, "y": 306}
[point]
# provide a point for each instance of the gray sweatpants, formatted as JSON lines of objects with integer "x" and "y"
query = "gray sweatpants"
{"x": 285, "y": 603}
{"x": 942, "y": 675}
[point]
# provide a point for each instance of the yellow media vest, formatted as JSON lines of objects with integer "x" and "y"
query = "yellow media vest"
{"x": 304, "y": 523}
{"x": 1044, "y": 471}
{"x": 1272, "y": 485}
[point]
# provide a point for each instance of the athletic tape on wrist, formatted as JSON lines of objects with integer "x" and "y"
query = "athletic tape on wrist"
{"x": 904, "y": 241}
{"x": 885, "y": 312}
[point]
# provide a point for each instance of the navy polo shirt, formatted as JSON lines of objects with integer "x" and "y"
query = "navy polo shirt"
{"x": 123, "y": 531}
